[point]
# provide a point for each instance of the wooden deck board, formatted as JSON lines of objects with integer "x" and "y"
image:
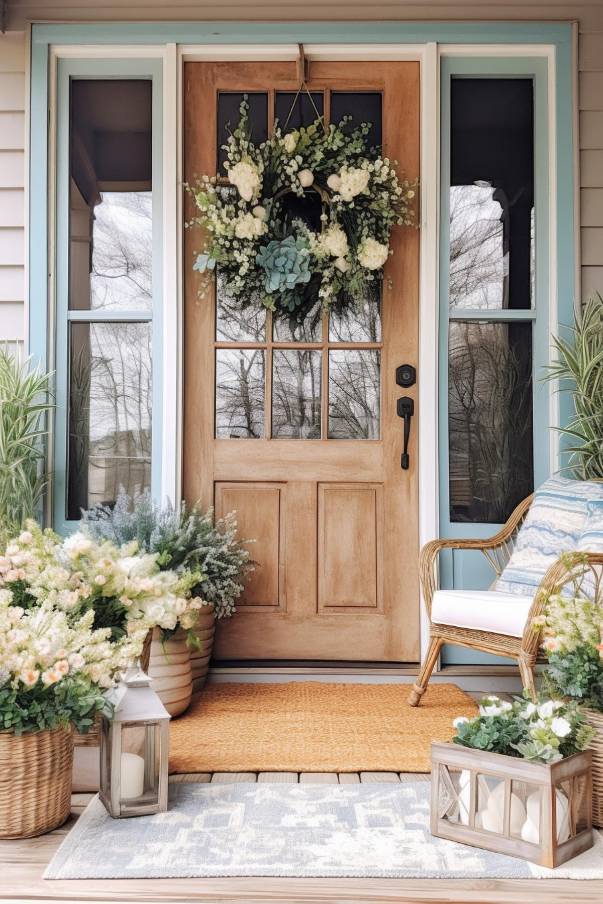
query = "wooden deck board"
{"x": 22, "y": 865}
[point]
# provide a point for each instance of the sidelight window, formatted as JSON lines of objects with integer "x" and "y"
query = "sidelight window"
{"x": 105, "y": 411}
{"x": 491, "y": 303}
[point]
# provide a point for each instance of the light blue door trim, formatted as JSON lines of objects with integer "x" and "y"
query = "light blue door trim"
{"x": 462, "y": 569}
{"x": 96, "y": 69}
{"x": 556, "y": 34}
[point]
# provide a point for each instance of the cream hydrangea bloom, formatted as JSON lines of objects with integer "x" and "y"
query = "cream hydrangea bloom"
{"x": 352, "y": 182}
{"x": 246, "y": 178}
{"x": 372, "y": 254}
{"x": 334, "y": 241}
{"x": 248, "y": 226}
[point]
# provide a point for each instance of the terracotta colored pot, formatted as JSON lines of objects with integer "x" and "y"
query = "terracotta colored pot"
{"x": 200, "y": 659}
{"x": 170, "y": 669}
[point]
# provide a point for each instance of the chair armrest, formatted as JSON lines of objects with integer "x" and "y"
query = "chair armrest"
{"x": 429, "y": 553}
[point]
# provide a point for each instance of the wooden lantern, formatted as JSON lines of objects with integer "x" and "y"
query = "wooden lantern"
{"x": 134, "y": 747}
{"x": 513, "y": 806}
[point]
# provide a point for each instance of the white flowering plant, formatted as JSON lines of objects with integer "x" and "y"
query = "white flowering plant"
{"x": 572, "y": 637}
{"x": 546, "y": 731}
{"x": 304, "y": 216}
{"x": 54, "y": 667}
{"x": 125, "y": 589}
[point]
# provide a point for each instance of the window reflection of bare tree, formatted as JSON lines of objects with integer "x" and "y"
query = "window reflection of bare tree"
{"x": 122, "y": 265}
{"x": 477, "y": 256}
{"x": 490, "y": 419}
{"x": 240, "y": 393}
{"x": 354, "y": 394}
{"x": 296, "y": 394}
{"x": 110, "y": 412}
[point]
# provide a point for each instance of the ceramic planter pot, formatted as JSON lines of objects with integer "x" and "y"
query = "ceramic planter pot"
{"x": 35, "y": 781}
{"x": 200, "y": 658}
{"x": 170, "y": 669}
{"x": 532, "y": 810}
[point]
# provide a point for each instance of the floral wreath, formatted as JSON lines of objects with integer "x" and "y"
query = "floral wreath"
{"x": 304, "y": 216}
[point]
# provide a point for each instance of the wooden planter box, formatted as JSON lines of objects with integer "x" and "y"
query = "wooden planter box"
{"x": 512, "y": 806}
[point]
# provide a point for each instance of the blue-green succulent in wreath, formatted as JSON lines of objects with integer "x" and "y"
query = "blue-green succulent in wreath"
{"x": 286, "y": 263}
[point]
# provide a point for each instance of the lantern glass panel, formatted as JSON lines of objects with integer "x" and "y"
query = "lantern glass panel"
{"x": 139, "y": 763}
{"x": 453, "y": 795}
{"x": 571, "y": 810}
{"x": 490, "y": 803}
{"x": 105, "y": 762}
{"x": 526, "y": 810}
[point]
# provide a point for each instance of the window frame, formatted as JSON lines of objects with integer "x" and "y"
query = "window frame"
{"x": 105, "y": 69}
{"x": 460, "y": 569}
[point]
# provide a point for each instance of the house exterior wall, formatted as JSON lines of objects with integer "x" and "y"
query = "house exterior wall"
{"x": 12, "y": 99}
{"x": 12, "y": 186}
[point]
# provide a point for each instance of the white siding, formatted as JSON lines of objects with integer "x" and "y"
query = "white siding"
{"x": 12, "y": 95}
{"x": 12, "y": 182}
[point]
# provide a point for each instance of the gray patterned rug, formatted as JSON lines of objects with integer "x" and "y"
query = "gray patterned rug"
{"x": 210, "y": 830}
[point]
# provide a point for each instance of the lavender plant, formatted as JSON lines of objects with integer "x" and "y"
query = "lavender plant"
{"x": 184, "y": 540}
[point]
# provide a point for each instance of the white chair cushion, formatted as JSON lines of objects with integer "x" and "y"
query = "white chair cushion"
{"x": 482, "y": 610}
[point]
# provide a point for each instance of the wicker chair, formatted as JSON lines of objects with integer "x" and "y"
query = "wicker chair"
{"x": 497, "y": 550}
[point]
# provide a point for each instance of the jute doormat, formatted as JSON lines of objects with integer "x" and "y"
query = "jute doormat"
{"x": 313, "y": 727}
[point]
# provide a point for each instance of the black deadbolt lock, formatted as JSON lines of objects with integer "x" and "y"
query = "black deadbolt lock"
{"x": 406, "y": 375}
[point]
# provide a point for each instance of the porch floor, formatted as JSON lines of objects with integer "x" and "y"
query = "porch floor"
{"x": 22, "y": 864}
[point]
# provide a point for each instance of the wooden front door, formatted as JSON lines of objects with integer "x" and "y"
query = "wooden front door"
{"x": 296, "y": 427}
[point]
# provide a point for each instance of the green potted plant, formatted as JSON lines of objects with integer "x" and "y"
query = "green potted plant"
{"x": 125, "y": 589}
{"x": 25, "y": 401}
{"x": 579, "y": 369}
{"x": 191, "y": 540}
{"x": 572, "y": 628}
{"x": 516, "y": 779}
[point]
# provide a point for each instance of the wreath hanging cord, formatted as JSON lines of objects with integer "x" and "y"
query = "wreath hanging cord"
{"x": 306, "y": 215}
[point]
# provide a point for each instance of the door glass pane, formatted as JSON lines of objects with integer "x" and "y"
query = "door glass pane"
{"x": 354, "y": 382}
{"x": 489, "y": 419}
{"x": 229, "y": 104}
{"x": 289, "y": 329}
{"x": 296, "y": 394}
{"x": 110, "y": 201}
{"x": 240, "y": 393}
{"x": 361, "y": 323}
{"x": 362, "y": 106}
{"x": 295, "y": 109}
{"x": 237, "y": 324}
{"x": 110, "y": 404}
{"x": 491, "y": 193}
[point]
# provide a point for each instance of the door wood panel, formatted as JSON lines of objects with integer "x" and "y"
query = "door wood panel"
{"x": 259, "y": 516}
{"x": 336, "y": 520}
{"x": 351, "y": 544}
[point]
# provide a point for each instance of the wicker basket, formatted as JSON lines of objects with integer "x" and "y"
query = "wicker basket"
{"x": 200, "y": 658}
{"x": 35, "y": 781}
{"x": 92, "y": 736}
{"x": 595, "y": 719}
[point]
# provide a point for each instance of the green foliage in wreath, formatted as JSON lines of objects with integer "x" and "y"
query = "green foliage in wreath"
{"x": 305, "y": 216}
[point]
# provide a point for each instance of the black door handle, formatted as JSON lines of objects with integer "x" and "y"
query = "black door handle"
{"x": 406, "y": 409}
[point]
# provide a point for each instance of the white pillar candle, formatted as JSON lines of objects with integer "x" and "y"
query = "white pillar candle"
{"x": 132, "y": 776}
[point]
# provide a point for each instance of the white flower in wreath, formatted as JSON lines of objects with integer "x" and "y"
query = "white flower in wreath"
{"x": 334, "y": 182}
{"x": 335, "y": 241}
{"x": 353, "y": 182}
{"x": 259, "y": 212}
{"x": 246, "y": 178}
{"x": 290, "y": 142}
{"x": 306, "y": 178}
{"x": 342, "y": 265}
{"x": 248, "y": 227}
{"x": 372, "y": 254}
